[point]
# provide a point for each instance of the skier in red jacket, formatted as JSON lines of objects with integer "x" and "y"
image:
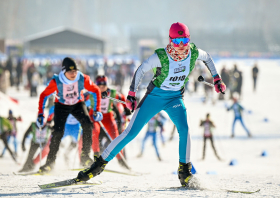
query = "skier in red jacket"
{"x": 68, "y": 86}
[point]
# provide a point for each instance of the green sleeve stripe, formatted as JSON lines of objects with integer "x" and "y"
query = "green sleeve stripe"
{"x": 164, "y": 67}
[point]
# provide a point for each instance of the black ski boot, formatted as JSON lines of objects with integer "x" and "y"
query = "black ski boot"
{"x": 46, "y": 168}
{"x": 86, "y": 161}
{"x": 96, "y": 168}
{"x": 184, "y": 173}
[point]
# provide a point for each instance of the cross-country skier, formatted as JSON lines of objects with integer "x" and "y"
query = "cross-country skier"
{"x": 38, "y": 136}
{"x": 68, "y": 86}
{"x": 13, "y": 120}
{"x": 153, "y": 124}
{"x": 72, "y": 129}
{"x": 172, "y": 66}
{"x": 208, "y": 125}
{"x": 5, "y": 129}
{"x": 108, "y": 116}
{"x": 237, "y": 109}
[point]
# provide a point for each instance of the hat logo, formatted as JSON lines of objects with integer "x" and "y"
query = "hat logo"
{"x": 180, "y": 32}
{"x": 71, "y": 67}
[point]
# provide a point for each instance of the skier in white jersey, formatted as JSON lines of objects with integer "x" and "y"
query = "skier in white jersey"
{"x": 172, "y": 66}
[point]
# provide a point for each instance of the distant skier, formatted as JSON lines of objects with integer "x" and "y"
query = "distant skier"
{"x": 255, "y": 72}
{"x": 237, "y": 109}
{"x": 74, "y": 130}
{"x": 37, "y": 137}
{"x": 13, "y": 120}
{"x": 5, "y": 129}
{"x": 171, "y": 67}
{"x": 68, "y": 86}
{"x": 153, "y": 124}
{"x": 208, "y": 125}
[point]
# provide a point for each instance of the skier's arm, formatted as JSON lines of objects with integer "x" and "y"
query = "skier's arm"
{"x": 49, "y": 90}
{"x": 202, "y": 123}
{"x": 212, "y": 124}
{"x": 25, "y": 136}
{"x": 242, "y": 108}
{"x": 94, "y": 91}
{"x": 147, "y": 65}
{"x": 230, "y": 108}
{"x": 208, "y": 61}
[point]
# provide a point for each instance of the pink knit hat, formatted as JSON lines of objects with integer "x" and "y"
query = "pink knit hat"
{"x": 179, "y": 30}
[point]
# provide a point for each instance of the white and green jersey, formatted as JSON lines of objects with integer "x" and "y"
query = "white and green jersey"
{"x": 169, "y": 74}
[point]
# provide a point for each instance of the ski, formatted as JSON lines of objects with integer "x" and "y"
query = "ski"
{"x": 69, "y": 182}
{"x": 117, "y": 172}
{"x": 31, "y": 173}
{"x": 224, "y": 190}
{"x": 244, "y": 192}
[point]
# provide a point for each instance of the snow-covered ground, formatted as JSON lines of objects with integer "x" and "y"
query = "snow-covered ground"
{"x": 252, "y": 171}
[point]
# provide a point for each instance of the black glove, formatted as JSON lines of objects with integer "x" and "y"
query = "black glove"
{"x": 127, "y": 111}
{"x": 133, "y": 101}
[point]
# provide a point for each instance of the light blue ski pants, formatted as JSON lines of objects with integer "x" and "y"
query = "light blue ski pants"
{"x": 153, "y": 102}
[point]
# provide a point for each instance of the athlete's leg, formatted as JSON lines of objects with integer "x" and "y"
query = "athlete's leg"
{"x": 8, "y": 137}
{"x": 155, "y": 143}
{"x": 15, "y": 143}
{"x": 80, "y": 112}
{"x": 204, "y": 147}
{"x": 241, "y": 120}
{"x": 61, "y": 113}
{"x": 178, "y": 114}
{"x": 149, "y": 106}
{"x": 29, "y": 165}
{"x": 233, "y": 125}
{"x": 112, "y": 128}
{"x": 95, "y": 137}
{"x": 144, "y": 141}
{"x": 214, "y": 149}
{"x": 4, "y": 138}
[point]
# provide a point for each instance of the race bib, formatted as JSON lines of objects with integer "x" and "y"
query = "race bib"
{"x": 41, "y": 136}
{"x": 71, "y": 93}
{"x": 104, "y": 105}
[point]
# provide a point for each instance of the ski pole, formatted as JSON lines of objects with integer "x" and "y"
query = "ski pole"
{"x": 101, "y": 124}
{"x": 201, "y": 79}
{"x": 115, "y": 99}
{"x": 41, "y": 149}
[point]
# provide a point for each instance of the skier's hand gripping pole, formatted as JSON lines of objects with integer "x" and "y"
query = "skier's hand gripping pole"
{"x": 219, "y": 85}
{"x": 131, "y": 101}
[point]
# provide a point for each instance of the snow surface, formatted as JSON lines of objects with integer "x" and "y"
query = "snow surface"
{"x": 251, "y": 173}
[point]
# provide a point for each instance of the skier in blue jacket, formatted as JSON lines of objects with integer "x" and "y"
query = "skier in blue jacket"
{"x": 237, "y": 109}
